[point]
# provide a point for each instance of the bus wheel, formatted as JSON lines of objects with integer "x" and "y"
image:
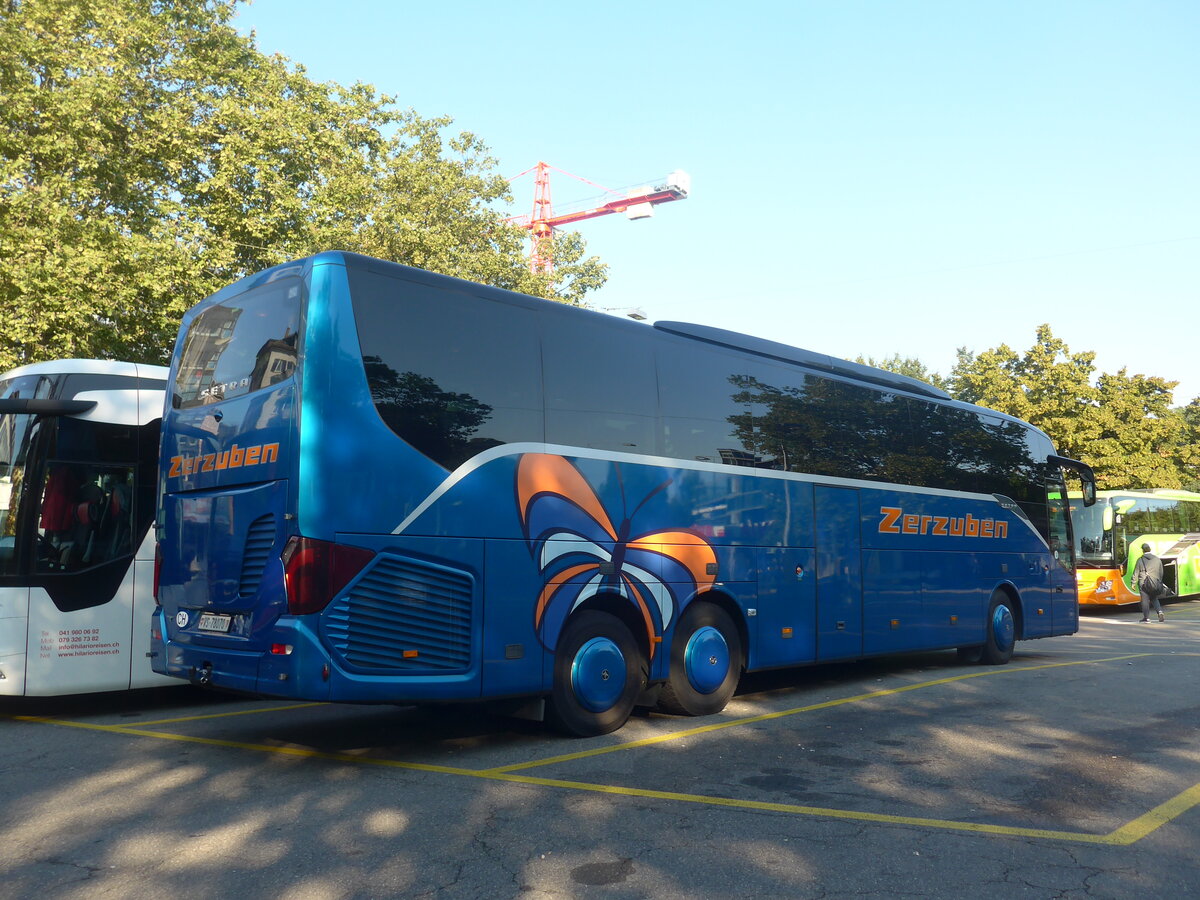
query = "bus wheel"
{"x": 1001, "y": 631}
{"x": 706, "y": 662}
{"x": 597, "y": 675}
{"x": 970, "y": 656}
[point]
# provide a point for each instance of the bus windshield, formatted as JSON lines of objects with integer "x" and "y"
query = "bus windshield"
{"x": 15, "y": 433}
{"x": 1093, "y": 534}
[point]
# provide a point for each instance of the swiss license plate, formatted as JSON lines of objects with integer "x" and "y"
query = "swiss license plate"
{"x": 213, "y": 622}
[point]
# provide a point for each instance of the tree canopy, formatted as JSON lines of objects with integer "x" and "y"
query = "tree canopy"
{"x": 1122, "y": 425}
{"x": 150, "y": 154}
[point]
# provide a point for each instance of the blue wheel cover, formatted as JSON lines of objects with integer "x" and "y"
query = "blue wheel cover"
{"x": 706, "y": 659}
{"x": 1004, "y": 629}
{"x": 598, "y": 674}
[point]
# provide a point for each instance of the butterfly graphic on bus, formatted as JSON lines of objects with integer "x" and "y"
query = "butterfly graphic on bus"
{"x": 583, "y": 551}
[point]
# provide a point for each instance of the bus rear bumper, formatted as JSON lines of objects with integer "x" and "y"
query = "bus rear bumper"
{"x": 297, "y": 666}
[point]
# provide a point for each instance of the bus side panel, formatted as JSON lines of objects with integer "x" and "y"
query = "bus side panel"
{"x": 345, "y": 448}
{"x": 894, "y": 616}
{"x": 1065, "y": 617}
{"x": 1189, "y": 569}
{"x": 514, "y": 661}
{"x": 785, "y": 630}
{"x": 1038, "y": 597}
{"x": 955, "y": 594}
{"x": 14, "y": 631}
{"x": 84, "y": 650}
{"x": 839, "y": 573}
{"x": 142, "y": 575}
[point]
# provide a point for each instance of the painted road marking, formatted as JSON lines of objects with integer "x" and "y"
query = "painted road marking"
{"x": 827, "y": 704}
{"x": 226, "y": 715}
{"x": 1126, "y": 834}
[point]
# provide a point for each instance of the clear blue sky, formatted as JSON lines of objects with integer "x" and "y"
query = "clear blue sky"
{"x": 868, "y": 176}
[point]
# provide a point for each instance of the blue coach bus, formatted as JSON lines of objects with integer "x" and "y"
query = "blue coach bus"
{"x": 383, "y": 485}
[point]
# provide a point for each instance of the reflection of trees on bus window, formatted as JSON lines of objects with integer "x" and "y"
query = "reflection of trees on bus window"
{"x": 441, "y": 424}
{"x": 824, "y": 426}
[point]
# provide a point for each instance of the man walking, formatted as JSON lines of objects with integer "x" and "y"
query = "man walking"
{"x": 1148, "y": 578}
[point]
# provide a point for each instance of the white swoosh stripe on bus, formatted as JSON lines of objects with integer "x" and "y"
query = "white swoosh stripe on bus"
{"x": 518, "y": 449}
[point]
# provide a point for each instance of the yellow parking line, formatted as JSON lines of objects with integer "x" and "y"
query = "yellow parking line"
{"x": 223, "y": 715}
{"x": 766, "y": 717}
{"x": 243, "y": 745}
{"x": 1125, "y": 835}
{"x": 1160, "y": 815}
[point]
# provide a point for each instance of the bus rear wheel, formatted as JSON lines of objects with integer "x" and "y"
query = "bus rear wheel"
{"x": 706, "y": 662}
{"x": 598, "y": 675}
{"x": 1001, "y": 631}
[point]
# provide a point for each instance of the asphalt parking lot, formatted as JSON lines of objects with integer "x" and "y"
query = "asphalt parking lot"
{"x": 1074, "y": 771}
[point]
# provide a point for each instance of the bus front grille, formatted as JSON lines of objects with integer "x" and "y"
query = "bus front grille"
{"x": 404, "y": 615}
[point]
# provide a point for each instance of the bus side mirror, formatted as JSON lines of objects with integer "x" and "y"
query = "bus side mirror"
{"x": 1086, "y": 476}
{"x": 1108, "y": 518}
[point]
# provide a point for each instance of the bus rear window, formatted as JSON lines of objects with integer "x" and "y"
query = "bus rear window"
{"x": 242, "y": 345}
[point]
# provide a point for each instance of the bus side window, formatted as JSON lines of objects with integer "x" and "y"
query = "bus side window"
{"x": 86, "y": 520}
{"x": 86, "y": 517}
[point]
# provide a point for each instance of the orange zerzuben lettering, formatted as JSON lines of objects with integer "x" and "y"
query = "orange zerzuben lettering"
{"x": 894, "y": 520}
{"x": 234, "y": 458}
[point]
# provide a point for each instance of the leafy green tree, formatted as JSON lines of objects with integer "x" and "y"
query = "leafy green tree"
{"x": 906, "y": 365}
{"x": 1140, "y": 434}
{"x": 1123, "y": 426}
{"x": 1047, "y": 386}
{"x": 150, "y": 154}
{"x": 439, "y": 423}
{"x": 1187, "y": 453}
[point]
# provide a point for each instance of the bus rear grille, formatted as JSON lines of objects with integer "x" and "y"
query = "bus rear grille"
{"x": 259, "y": 541}
{"x": 406, "y": 616}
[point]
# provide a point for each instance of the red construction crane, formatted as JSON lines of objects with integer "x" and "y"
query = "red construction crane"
{"x": 636, "y": 203}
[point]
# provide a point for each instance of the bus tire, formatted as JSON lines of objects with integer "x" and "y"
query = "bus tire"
{"x": 598, "y": 675}
{"x": 970, "y": 656}
{"x": 706, "y": 662}
{"x": 1001, "y": 631}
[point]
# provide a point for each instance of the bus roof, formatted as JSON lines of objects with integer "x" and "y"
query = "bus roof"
{"x": 1145, "y": 494}
{"x": 88, "y": 367}
{"x": 818, "y": 362}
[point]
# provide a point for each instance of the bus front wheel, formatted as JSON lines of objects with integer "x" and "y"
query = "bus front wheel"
{"x": 970, "y": 656}
{"x": 598, "y": 675}
{"x": 706, "y": 662}
{"x": 1001, "y": 631}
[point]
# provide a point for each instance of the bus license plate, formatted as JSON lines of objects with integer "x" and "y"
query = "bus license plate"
{"x": 211, "y": 622}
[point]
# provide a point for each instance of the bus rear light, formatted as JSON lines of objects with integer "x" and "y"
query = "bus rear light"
{"x": 281, "y": 649}
{"x": 314, "y": 571}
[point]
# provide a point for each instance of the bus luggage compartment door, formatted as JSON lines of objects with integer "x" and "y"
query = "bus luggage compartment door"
{"x": 839, "y": 573}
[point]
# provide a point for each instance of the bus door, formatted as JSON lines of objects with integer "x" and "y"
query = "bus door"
{"x": 1063, "y": 586}
{"x": 839, "y": 573}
